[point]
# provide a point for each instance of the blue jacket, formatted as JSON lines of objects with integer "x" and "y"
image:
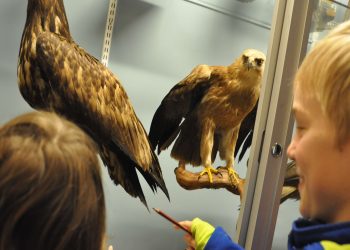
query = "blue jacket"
{"x": 305, "y": 235}
{"x": 220, "y": 240}
{"x": 311, "y": 235}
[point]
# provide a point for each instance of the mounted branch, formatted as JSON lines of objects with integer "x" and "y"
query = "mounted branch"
{"x": 191, "y": 181}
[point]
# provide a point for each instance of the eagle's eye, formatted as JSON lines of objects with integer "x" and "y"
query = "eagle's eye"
{"x": 245, "y": 58}
{"x": 259, "y": 61}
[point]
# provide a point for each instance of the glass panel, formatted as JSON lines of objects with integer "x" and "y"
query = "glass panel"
{"x": 326, "y": 16}
{"x": 156, "y": 44}
{"x": 242, "y": 9}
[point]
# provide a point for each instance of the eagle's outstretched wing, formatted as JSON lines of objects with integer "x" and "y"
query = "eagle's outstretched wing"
{"x": 87, "y": 93}
{"x": 179, "y": 102}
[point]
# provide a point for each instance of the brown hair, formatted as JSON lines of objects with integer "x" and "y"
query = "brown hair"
{"x": 325, "y": 73}
{"x": 51, "y": 194}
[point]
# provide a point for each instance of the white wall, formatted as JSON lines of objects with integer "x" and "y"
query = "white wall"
{"x": 155, "y": 44}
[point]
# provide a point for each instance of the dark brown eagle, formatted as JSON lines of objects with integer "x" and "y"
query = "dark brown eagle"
{"x": 204, "y": 112}
{"x": 55, "y": 74}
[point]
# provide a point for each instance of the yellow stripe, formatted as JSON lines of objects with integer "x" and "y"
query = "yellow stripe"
{"x": 330, "y": 245}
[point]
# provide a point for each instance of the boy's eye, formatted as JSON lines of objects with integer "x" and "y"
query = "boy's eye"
{"x": 299, "y": 127}
{"x": 300, "y": 131}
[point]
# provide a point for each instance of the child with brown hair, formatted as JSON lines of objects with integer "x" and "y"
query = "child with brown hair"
{"x": 51, "y": 194}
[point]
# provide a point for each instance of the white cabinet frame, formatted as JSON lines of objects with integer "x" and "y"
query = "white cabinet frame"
{"x": 274, "y": 124}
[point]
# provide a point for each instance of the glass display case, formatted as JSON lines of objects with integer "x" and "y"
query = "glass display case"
{"x": 156, "y": 43}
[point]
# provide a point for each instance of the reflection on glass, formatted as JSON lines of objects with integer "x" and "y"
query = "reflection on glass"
{"x": 326, "y": 16}
{"x": 244, "y": 10}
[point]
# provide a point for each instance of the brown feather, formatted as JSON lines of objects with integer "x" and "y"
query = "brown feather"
{"x": 178, "y": 103}
{"x": 212, "y": 101}
{"x": 56, "y": 74}
{"x": 245, "y": 135}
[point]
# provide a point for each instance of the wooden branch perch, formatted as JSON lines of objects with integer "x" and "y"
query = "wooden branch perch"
{"x": 191, "y": 181}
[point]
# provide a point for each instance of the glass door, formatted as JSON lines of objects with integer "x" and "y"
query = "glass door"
{"x": 324, "y": 17}
{"x": 296, "y": 26}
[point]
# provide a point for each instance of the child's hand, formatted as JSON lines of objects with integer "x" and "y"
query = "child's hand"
{"x": 201, "y": 233}
{"x": 190, "y": 242}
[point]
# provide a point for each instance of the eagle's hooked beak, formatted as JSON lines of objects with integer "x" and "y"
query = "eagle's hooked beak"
{"x": 249, "y": 65}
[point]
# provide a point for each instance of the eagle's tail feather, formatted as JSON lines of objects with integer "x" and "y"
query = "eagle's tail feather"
{"x": 154, "y": 177}
{"x": 187, "y": 145}
{"x": 122, "y": 171}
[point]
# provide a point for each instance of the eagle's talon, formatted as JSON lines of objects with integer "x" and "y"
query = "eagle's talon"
{"x": 208, "y": 171}
{"x": 232, "y": 174}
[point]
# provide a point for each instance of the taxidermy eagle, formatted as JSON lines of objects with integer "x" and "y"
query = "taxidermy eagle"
{"x": 55, "y": 74}
{"x": 204, "y": 112}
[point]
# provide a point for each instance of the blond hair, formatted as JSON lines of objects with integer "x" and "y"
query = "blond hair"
{"x": 51, "y": 194}
{"x": 325, "y": 73}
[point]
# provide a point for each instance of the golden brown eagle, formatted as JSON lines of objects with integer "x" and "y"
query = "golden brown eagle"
{"x": 205, "y": 110}
{"x": 55, "y": 74}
